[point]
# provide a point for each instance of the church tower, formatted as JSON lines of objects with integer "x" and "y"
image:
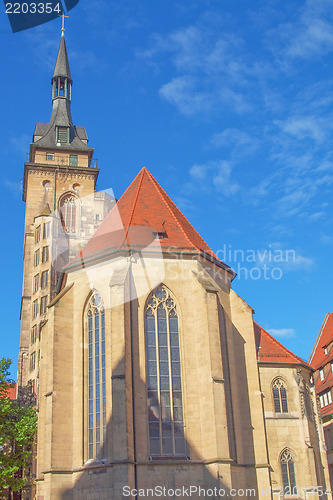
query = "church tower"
{"x": 148, "y": 371}
{"x": 62, "y": 211}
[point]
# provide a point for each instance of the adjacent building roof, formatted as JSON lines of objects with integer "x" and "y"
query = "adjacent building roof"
{"x": 318, "y": 358}
{"x": 144, "y": 214}
{"x": 269, "y": 350}
{"x": 11, "y": 391}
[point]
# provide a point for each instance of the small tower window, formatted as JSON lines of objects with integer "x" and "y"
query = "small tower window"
{"x": 46, "y": 229}
{"x": 37, "y": 234}
{"x": 45, "y": 279}
{"x": 32, "y": 361}
{"x": 43, "y": 304}
{"x": 45, "y": 254}
{"x": 36, "y": 259}
{"x": 63, "y": 135}
{"x": 47, "y": 185}
{"x": 73, "y": 160}
{"x": 34, "y": 334}
{"x": 34, "y": 309}
{"x": 36, "y": 283}
{"x": 280, "y": 397}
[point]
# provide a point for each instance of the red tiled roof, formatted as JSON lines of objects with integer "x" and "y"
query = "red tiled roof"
{"x": 318, "y": 357}
{"x": 270, "y": 350}
{"x": 144, "y": 211}
{"x": 11, "y": 391}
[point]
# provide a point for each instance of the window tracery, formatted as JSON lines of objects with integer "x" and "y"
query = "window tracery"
{"x": 280, "y": 396}
{"x": 288, "y": 473}
{"x": 69, "y": 213}
{"x": 164, "y": 387}
{"x": 96, "y": 375}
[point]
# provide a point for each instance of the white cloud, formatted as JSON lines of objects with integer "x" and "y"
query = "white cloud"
{"x": 222, "y": 180}
{"x": 303, "y": 128}
{"x": 306, "y": 36}
{"x": 198, "y": 172}
{"x": 211, "y": 72}
{"x": 326, "y": 239}
{"x": 282, "y": 332}
{"x": 239, "y": 141}
{"x": 315, "y": 36}
{"x": 219, "y": 173}
{"x": 182, "y": 93}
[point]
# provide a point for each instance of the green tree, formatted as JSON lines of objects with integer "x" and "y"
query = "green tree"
{"x": 18, "y": 421}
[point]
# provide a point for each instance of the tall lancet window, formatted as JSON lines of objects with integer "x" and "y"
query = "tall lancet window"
{"x": 164, "y": 385}
{"x": 69, "y": 213}
{"x": 96, "y": 376}
{"x": 288, "y": 473}
{"x": 280, "y": 397}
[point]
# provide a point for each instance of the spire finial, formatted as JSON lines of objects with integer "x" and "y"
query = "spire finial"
{"x": 63, "y": 22}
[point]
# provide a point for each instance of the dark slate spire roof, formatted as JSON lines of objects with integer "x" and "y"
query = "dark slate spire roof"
{"x": 62, "y": 64}
{"x": 45, "y": 134}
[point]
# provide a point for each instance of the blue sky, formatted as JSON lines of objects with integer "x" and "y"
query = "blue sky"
{"x": 228, "y": 104}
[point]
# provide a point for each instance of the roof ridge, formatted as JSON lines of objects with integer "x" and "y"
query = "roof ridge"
{"x": 133, "y": 208}
{"x": 159, "y": 188}
{"x": 281, "y": 345}
{"x": 165, "y": 195}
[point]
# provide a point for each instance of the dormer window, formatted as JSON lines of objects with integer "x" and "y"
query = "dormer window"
{"x": 160, "y": 235}
{"x": 62, "y": 135}
{"x": 326, "y": 351}
{"x": 50, "y": 156}
{"x": 321, "y": 374}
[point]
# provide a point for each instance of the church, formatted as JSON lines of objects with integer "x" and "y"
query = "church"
{"x": 150, "y": 376}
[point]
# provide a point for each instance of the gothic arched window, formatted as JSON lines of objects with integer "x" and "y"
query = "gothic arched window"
{"x": 69, "y": 213}
{"x": 96, "y": 375}
{"x": 164, "y": 385}
{"x": 280, "y": 396}
{"x": 288, "y": 473}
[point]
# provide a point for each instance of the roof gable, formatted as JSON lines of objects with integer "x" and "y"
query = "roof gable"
{"x": 143, "y": 214}
{"x": 318, "y": 357}
{"x": 270, "y": 350}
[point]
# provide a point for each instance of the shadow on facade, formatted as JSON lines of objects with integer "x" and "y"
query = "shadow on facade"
{"x": 127, "y": 439}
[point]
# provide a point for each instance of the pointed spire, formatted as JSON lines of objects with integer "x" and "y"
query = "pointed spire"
{"x": 60, "y": 131}
{"x": 62, "y": 69}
